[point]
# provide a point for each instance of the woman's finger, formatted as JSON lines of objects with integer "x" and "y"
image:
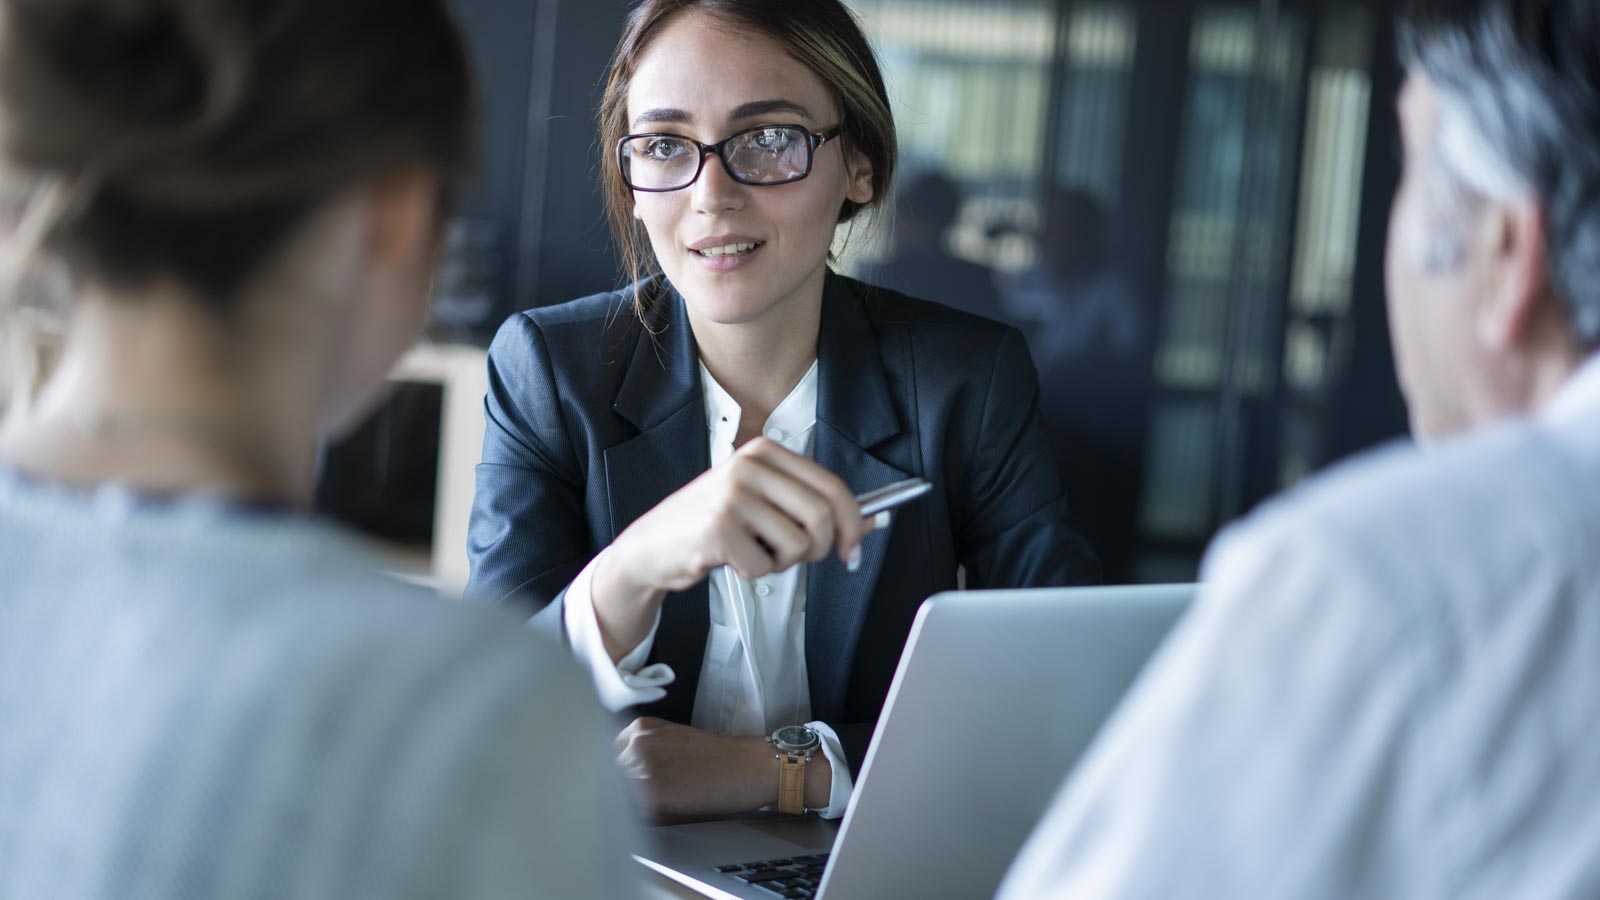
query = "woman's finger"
{"x": 847, "y": 522}
{"x": 786, "y": 541}
{"x": 798, "y": 503}
{"x": 746, "y": 556}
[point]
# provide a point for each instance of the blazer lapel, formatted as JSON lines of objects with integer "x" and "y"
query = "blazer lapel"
{"x": 661, "y": 396}
{"x": 855, "y": 412}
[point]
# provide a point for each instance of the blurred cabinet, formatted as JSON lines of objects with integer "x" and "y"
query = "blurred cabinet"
{"x": 1261, "y": 273}
{"x": 462, "y": 375}
{"x": 406, "y": 476}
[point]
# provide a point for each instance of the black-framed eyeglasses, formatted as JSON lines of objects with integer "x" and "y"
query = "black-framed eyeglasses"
{"x": 764, "y": 155}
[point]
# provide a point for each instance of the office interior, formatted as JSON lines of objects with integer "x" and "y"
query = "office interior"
{"x": 1181, "y": 204}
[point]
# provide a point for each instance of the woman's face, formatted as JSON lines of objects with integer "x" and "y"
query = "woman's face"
{"x": 703, "y": 80}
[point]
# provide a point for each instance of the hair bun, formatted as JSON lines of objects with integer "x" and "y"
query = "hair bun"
{"x": 185, "y": 139}
{"x": 102, "y": 88}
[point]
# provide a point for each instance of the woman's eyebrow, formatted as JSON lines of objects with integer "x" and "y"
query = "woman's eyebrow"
{"x": 754, "y": 109}
{"x": 757, "y": 108}
{"x": 663, "y": 116}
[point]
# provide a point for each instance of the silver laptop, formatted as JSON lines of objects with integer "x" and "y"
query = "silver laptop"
{"x": 997, "y": 695}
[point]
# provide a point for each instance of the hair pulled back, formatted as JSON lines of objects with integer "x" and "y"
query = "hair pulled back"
{"x": 186, "y": 139}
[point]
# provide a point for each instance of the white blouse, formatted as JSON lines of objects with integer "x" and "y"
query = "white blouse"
{"x": 753, "y": 678}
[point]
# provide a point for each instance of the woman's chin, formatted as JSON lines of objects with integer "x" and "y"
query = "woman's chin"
{"x": 729, "y": 310}
{"x": 726, "y": 301}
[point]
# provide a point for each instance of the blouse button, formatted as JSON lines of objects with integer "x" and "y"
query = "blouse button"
{"x": 763, "y": 589}
{"x": 777, "y": 434}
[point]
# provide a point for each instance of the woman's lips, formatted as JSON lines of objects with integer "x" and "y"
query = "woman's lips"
{"x": 727, "y": 256}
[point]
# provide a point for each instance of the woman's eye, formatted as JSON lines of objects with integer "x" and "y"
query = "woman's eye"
{"x": 662, "y": 150}
{"x": 772, "y": 138}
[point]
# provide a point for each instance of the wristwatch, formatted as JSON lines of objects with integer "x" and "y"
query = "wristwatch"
{"x": 795, "y": 744}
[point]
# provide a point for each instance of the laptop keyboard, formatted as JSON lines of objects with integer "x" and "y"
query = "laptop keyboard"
{"x": 797, "y": 877}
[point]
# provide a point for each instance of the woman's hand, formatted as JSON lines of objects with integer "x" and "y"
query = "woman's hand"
{"x": 762, "y": 511}
{"x": 685, "y": 771}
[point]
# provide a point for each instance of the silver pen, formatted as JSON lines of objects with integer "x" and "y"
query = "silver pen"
{"x": 892, "y": 495}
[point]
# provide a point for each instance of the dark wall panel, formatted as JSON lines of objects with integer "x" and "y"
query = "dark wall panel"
{"x": 570, "y": 244}
{"x": 501, "y": 34}
{"x": 542, "y": 64}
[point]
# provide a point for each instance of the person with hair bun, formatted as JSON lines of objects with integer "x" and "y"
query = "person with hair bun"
{"x": 202, "y": 693}
{"x": 669, "y": 470}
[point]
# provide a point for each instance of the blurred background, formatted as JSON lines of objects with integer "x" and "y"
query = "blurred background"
{"x": 1181, "y": 204}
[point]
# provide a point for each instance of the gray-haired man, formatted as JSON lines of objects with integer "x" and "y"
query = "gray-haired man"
{"x": 1390, "y": 686}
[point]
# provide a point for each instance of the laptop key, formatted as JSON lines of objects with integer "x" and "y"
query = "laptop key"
{"x": 727, "y": 870}
{"x": 759, "y": 876}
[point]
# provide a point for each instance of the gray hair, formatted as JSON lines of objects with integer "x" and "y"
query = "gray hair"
{"x": 1519, "y": 83}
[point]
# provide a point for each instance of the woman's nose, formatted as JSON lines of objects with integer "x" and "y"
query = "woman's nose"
{"x": 715, "y": 190}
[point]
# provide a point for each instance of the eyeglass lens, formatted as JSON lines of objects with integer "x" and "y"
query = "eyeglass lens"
{"x": 774, "y": 155}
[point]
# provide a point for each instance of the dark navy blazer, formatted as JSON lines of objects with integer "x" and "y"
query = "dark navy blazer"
{"x": 594, "y": 419}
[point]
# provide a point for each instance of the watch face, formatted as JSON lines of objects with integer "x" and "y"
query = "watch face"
{"x": 795, "y": 736}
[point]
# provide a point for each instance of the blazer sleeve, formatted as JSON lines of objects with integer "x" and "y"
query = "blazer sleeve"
{"x": 529, "y": 535}
{"x": 1016, "y": 531}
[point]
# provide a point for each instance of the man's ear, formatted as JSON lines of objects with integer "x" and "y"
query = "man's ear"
{"x": 404, "y": 218}
{"x": 859, "y": 170}
{"x": 1518, "y": 287}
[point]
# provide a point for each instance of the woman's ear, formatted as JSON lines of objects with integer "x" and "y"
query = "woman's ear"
{"x": 858, "y": 169}
{"x": 404, "y": 226}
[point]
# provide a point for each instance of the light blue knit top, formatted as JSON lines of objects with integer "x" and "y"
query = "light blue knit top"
{"x": 202, "y": 701}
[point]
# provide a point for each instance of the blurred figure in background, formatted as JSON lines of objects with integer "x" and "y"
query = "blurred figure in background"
{"x": 1091, "y": 337}
{"x": 1075, "y": 301}
{"x": 1387, "y": 687}
{"x": 921, "y": 265}
{"x": 201, "y": 693}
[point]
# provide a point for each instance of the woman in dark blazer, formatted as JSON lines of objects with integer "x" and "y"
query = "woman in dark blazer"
{"x": 598, "y": 424}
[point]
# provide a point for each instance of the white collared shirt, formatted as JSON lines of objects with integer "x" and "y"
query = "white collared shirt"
{"x": 753, "y": 678}
{"x": 1387, "y": 688}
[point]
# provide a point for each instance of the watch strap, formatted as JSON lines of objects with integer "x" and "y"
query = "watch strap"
{"x": 792, "y": 783}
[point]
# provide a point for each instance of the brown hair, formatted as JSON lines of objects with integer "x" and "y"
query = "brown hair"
{"x": 821, "y": 34}
{"x": 190, "y": 137}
